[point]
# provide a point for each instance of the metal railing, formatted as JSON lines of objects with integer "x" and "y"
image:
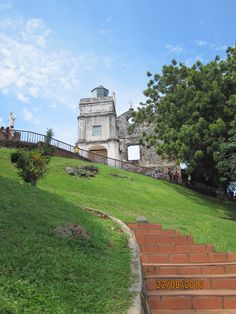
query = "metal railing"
{"x": 29, "y": 137}
{"x": 35, "y": 138}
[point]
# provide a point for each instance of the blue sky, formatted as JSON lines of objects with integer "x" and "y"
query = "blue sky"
{"x": 52, "y": 53}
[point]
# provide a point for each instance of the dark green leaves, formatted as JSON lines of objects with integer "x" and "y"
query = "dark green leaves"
{"x": 193, "y": 110}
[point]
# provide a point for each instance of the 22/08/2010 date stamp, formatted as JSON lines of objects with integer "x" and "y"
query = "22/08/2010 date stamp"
{"x": 180, "y": 284}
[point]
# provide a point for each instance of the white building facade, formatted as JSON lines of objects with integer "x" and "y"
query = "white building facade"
{"x": 97, "y": 124}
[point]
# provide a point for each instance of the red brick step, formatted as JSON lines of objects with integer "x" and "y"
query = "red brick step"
{"x": 191, "y": 269}
{"x": 174, "y": 258}
{"x": 228, "y": 311}
{"x": 143, "y": 226}
{"x": 155, "y": 232}
{"x": 222, "y": 281}
{"x": 154, "y": 239}
{"x": 176, "y": 248}
{"x": 188, "y": 258}
{"x": 189, "y": 299}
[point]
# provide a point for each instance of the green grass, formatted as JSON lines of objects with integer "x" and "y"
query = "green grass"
{"x": 56, "y": 201}
{"x": 41, "y": 272}
{"x": 207, "y": 219}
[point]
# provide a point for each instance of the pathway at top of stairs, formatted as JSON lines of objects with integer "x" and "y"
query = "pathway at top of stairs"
{"x": 183, "y": 277}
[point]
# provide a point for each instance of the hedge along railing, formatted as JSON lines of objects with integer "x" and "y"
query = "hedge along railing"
{"x": 35, "y": 138}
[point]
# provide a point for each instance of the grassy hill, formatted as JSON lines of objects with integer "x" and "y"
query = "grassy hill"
{"x": 41, "y": 272}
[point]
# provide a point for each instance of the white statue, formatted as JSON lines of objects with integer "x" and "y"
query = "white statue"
{"x": 12, "y": 120}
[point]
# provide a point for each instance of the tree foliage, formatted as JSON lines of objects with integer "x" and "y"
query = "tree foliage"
{"x": 193, "y": 110}
{"x": 46, "y": 148}
{"x": 226, "y": 159}
{"x": 33, "y": 164}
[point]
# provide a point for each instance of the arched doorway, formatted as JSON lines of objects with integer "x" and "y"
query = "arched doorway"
{"x": 98, "y": 153}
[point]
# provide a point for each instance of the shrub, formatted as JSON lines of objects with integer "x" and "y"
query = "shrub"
{"x": 32, "y": 164}
{"x": 46, "y": 148}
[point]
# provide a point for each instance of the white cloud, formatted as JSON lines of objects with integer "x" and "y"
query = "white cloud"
{"x": 107, "y": 60}
{"x": 20, "y": 82}
{"x": 66, "y": 133}
{"x": 177, "y": 49}
{"x": 105, "y": 31}
{"x": 190, "y": 61}
{"x": 5, "y": 91}
{"x": 2, "y": 122}
{"x": 36, "y": 32}
{"x": 199, "y": 57}
{"x": 53, "y": 105}
{"x": 200, "y": 43}
{"x": 32, "y": 64}
{"x": 174, "y": 49}
{"x": 11, "y": 23}
{"x": 218, "y": 48}
{"x": 109, "y": 18}
{"x": 6, "y": 5}
{"x": 128, "y": 65}
{"x": 33, "y": 91}
{"x": 21, "y": 97}
{"x": 29, "y": 117}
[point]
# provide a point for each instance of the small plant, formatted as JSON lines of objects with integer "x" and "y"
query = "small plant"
{"x": 47, "y": 148}
{"x": 32, "y": 164}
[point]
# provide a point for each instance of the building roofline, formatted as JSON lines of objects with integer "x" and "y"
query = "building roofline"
{"x": 100, "y": 86}
{"x": 94, "y": 100}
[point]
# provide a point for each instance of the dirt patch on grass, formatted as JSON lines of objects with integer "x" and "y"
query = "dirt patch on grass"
{"x": 72, "y": 230}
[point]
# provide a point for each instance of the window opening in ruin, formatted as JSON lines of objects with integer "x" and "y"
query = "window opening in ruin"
{"x": 131, "y": 120}
{"x": 133, "y": 152}
{"x": 96, "y": 130}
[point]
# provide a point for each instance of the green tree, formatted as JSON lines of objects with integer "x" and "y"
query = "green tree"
{"x": 226, "y": 159}
{"x": 46, "y": 148}
{"x": 32, "y": 164}
{"x": 193, "y": 110}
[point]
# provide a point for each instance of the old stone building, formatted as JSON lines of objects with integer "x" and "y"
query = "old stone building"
{"x": 145, "y": 156}
{"x": 97, "y": 124}
{"x": 102, "y": 132}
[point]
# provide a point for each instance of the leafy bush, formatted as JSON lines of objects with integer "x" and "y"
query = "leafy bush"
{"x": 46, "y": 148}
{"x": 32, "y": 164}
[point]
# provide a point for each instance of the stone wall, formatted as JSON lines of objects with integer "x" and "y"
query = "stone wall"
{"x": 148, "y": 156}
{"x": 8, "y": 134}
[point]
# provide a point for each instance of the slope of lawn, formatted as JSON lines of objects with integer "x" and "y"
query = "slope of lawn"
{"x": 41, "y": 272}
{"x": 56, "y": 201}
{"x": 207, "y": 219}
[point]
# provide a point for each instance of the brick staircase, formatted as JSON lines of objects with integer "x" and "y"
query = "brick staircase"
{"x": 183, "y": 277}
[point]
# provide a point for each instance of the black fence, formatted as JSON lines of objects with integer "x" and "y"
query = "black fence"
{"x": 17, "y": 138}
{"x": 34, "y": 138}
